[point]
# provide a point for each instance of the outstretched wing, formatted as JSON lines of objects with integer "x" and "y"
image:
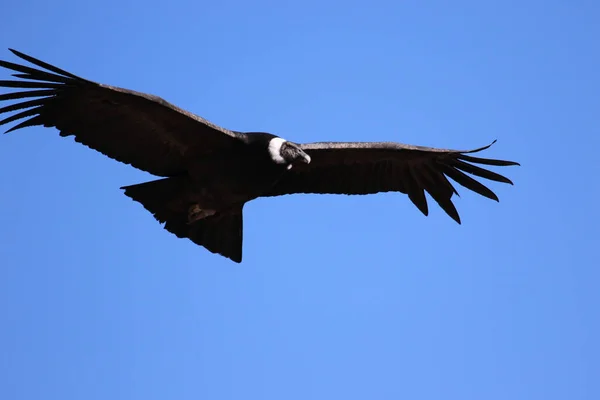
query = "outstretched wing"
{"x": 131, "y": 127}
{"x": 366, "y": 168}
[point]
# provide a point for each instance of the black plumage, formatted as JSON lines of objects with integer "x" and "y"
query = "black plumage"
{"x": 209, "y": 172}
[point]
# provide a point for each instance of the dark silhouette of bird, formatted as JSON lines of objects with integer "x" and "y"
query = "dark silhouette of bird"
{"x": 208, "y": 173}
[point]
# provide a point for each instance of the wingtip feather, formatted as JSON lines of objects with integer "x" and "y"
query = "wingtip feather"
{"x": 44, "y": 64}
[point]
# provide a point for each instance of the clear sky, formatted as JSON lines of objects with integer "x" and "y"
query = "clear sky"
{"x": 338, "y": 297}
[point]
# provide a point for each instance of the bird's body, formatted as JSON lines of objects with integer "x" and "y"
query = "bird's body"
{"x": 209, "y": 173}
{"x": 233, "y": 176}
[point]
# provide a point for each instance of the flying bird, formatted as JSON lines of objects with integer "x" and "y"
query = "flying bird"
{"x": 208, "y": 173}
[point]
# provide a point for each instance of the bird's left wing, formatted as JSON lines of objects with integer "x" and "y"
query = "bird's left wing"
{"x": 131, "y": 127}
{"x": 359, "y": 168}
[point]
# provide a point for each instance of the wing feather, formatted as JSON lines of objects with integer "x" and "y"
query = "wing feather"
{"x": 20, "y": 106}
{"x": 23, "y": 95}
{"x": 475, "y": 170}
{"x": 416, "y": 192}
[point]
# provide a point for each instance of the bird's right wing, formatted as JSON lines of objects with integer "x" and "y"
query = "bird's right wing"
{"x": 131, "y": 127}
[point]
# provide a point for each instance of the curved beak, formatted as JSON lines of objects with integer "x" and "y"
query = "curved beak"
{"x": 299, "y": 155}
{"x": 305, "y": 158}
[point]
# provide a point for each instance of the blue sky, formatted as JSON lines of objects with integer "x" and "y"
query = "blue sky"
{"x": 345, "y": 297}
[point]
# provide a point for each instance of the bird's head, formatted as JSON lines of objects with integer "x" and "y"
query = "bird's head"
{"x": 284, "y": 152}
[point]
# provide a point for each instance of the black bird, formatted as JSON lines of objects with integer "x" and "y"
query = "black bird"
{"x": 209, "y": 172}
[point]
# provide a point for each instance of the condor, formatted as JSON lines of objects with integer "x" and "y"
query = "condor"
{"x": 208, "y": 173}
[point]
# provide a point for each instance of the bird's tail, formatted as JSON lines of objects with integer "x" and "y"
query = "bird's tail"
{"x": 219, "y": 232}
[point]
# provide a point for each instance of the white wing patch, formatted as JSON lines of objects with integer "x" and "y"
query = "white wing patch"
{"x": 275, "y": 150}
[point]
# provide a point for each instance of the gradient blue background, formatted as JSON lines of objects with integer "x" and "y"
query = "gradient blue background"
{"x": 338, "y": 297}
